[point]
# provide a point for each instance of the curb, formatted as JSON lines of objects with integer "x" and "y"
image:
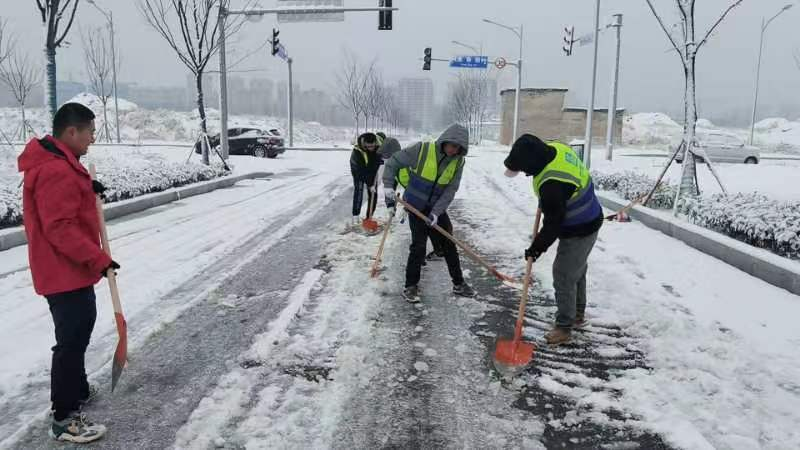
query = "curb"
{"x": 757, "y": 262}
{"x": 14, "y": 237}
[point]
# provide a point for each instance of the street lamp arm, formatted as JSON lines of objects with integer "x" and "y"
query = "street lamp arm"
{"x": 513, "y": 29}
{"x": 785, "y": 8}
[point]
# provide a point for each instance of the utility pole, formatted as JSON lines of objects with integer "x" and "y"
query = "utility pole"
{"x": 764, "y": 25}
{"x": 612, "y": 110}
{"x": 587, "y": 156}
{"x": 223, "y": 86}
{"x": 290, "y": 112}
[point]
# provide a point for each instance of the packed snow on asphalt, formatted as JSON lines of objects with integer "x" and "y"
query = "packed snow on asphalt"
{"x": 254, "y": 323}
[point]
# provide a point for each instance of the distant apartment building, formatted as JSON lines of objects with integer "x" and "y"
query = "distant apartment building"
{"x": 415, "y": 98}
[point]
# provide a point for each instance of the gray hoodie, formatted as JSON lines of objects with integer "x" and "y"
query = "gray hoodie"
{"x": 408, "y": 157}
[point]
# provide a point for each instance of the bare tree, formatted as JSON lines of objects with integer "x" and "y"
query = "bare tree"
{"x": 191, "y": 28}
{"x": 19, "y": 74}
{"x": 52, "y": 13}
{"x": 469, "y": 101}
{"x": 355, "y": 88}
{"x": 684, "y": 40}
{"x": 98, "y": 57}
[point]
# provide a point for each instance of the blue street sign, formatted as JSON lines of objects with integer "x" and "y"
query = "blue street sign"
{"x": 470, "y": 62}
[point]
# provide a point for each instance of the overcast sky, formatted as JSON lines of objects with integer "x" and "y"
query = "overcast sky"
{"x": 651, "y": 76}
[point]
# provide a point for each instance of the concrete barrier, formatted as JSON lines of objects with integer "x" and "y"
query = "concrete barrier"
{"x": 760, "y": 263}
{"x": 14, "y": 237}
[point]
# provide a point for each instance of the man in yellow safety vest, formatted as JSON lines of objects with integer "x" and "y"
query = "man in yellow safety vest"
{"x": 572, "y": 214}
{"x": 434, "y": 170}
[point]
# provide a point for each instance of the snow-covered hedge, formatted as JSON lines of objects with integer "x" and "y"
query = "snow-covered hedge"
{"x": 631, "y": 185}
{"x": 751, "y": 218}
{"x": 121, "y": 183}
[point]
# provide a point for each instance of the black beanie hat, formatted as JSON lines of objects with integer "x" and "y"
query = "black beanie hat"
{"x": 530, "y": 155}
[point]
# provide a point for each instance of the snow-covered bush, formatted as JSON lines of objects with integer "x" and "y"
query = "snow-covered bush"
{"x": 122, "y": 182}
{"x": 631, "y": 186}
{"x": 751, "y": 218}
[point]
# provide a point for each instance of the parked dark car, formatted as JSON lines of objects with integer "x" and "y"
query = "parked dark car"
{"x": 249, "y": 141}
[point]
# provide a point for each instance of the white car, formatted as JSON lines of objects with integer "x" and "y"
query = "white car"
{"x": 724, "y": 148}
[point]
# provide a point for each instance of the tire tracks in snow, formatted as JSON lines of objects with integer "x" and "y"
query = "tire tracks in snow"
{"x": 176, "y": 361}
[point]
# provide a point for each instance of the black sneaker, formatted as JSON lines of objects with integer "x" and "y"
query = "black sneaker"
{"x": 464, "y": 290}
{"x": 411, "y": 294}
{"x": 76, "y": 428}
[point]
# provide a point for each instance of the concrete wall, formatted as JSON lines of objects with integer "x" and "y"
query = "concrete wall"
{"x": 543, "y": 114}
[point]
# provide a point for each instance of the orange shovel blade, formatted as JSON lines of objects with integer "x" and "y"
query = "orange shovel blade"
{"x": 370, "y": 225}
{"x": 511, "y": 353}
{"x": 121, "y": 353}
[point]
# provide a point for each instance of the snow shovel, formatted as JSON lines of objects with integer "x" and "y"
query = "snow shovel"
{"x": 121, "y": 353}
{"x": 513, "y": 355}
{"x": 475, "y": 257}
{"x": 623, "y": 212}
{"x": 377, "y": 264}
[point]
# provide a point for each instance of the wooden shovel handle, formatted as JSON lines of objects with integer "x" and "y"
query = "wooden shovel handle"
{"x": 460, "y": 244}
{"x": 377, "y": 263}
{"x": 110, "y": 274}
{"x": 526, "y": 282}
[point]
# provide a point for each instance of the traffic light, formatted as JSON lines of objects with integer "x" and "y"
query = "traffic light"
{"x": 569, "y": 39}
{"x": 384, "y": 17}
{"x": 427, "y": 58}
{"x": 275, "y": 41}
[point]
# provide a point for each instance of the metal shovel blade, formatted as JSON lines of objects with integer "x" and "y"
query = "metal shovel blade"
{"x": 121, "y": 353}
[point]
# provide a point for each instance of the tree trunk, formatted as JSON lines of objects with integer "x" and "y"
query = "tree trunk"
{"x": 24, "y": 133}
{"x": 50, "y": 99}
{"x": 689, "y": 172}
{"x": 105, "y": 120}
{"x": 202, "y": 111}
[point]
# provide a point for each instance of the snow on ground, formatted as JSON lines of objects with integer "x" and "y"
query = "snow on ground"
{"x": 158, "y": 250}
{"x": 346, "y": 359}
{"x": 720, "y": 345}
{"x": 657, "y": 130}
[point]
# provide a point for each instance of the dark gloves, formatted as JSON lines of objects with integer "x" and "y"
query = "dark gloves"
{"x": 532, "y": 253}
{"x": 390, "y": 197}
{"x": 114, "y": 265}
{"x": 99, "y": 189}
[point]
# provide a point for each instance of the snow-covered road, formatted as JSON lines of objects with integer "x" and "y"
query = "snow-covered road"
{"x": 259, "y": 327}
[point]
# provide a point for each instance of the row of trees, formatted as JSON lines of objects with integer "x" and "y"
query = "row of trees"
{"x": 362, "y": 91}
{"x": 469, "y": 100}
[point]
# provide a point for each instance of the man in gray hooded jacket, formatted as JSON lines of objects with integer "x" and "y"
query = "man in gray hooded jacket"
{"x": 434, "y": 172}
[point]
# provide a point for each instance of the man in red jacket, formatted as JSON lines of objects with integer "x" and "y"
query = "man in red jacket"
{"x": 66, "y": 259}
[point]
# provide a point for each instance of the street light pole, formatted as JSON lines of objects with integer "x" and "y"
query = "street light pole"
{"x": 223, "y": 85}
{"x": 764, "y": 25}
{"x": 612, "y": 110}
{"x": 587, "y": 156}
{"x": 110, "y": 18}
{"x": 290, "y": 112}
{"x": 474, "y": 49}
{"x": 519, "y": 75}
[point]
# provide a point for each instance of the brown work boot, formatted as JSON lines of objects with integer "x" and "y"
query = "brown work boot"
{"x": 558, "y": 336}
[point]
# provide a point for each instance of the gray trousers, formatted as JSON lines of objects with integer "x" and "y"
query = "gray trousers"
{"x": 569, "y": 278}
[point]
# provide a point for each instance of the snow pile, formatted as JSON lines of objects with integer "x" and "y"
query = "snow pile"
{"x": 778, "y": 134}
{"x": 10, "y": 205}
{"x": 705, "y": 123}
{"x": 649, "y": 129}
{"x": 631, "y": 186}
{"x": 93, "y": 102}
{"x": 138, "y": 124}
{"x": 751, "y": 218}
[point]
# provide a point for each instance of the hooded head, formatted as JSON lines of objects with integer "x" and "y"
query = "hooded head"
{"x": 368, "y": 141}
{"x": 389, "y": 148}
{"x": 529, "y": 155}
{"x": 458, "y": 136}
{"x": 381, "y": 135}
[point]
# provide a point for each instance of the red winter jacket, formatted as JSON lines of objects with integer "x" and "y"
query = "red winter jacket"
{"x": 60, "y": 219}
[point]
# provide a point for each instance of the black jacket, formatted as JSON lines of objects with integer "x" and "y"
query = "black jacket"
{"x": 530, "y": 155}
